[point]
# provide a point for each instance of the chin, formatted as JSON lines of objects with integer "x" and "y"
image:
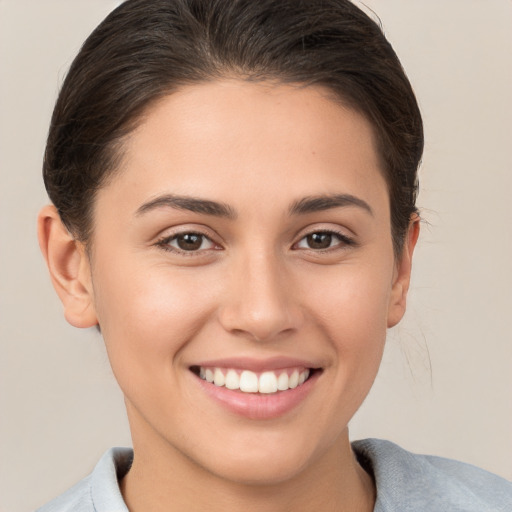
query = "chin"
{"x": 264, "y": 471}
{"x": 264, "y": 460}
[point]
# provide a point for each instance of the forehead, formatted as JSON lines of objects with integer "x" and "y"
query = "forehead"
{"x": 233, "y": 140}
{"x": 255, "y": 112}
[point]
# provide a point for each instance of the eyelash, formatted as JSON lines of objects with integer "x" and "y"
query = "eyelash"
{"x": 164, "y": 243}
{"x": 344, "y": 240}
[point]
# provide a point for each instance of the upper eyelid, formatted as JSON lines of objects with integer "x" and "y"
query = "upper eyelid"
{"x": 345, "y": 240}
{"x": 173, "y": 231}
{"x": 335, "y": 230}
{"x": 173, "y": 236}
{"x": 340, "y": 235}
{"x": 164, "y": 244}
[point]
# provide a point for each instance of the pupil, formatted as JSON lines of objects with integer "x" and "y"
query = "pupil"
{"x": 319, "y": 240}
{"x": 189, "y": 242}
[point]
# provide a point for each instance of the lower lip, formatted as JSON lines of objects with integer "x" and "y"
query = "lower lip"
{"x": 257, "y": 406}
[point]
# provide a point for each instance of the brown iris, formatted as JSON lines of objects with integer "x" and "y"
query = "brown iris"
{"x": 319, "y": 240}
{"x": 189, "y": 241}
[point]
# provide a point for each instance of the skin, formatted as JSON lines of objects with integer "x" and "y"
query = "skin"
{"x": 254, "y": 288}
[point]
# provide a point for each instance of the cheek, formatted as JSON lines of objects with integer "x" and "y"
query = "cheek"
{"x": 352, "y": 312}
{"x": 147, "y": 315}
{"x": 352, "y": 304}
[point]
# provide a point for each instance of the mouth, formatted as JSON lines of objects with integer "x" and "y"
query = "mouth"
{"x": 267, "y": 382}
{"x": 257, "y": 389}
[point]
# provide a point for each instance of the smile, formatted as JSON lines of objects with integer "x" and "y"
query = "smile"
{"x": 257, "y": 389}
{"x": 247, "y": 381}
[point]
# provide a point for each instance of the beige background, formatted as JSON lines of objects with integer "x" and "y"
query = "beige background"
{"x": 59, "y": 406}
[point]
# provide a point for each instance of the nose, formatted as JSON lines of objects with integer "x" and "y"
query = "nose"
{"x": 260, "y": 303}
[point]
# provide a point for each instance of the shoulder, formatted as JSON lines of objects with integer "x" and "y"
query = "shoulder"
{"x": 77, "y": 499}
{"x": 406, "y": 481}
{"x": 99, "y": 491}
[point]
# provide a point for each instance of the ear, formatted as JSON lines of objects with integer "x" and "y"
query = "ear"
{"x": 69, "y": 268}
{"x": 402, "y": 276}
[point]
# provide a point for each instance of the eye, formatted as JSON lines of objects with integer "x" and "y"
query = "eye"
{"x": 321, "y": 240}
{"x": 187, "y": 242}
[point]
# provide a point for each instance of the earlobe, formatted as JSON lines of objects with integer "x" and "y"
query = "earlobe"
{"x": 402, "y": 276}
{"x": 69, "y": 268}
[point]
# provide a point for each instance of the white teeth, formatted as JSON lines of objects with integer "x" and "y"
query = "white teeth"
{"x": 293, "y": 381}
{"x": 303, "y": 376}
{"x": 218, "y": 377}
{"x": 232, "y": 380}
{"x": 282, "y": 382}
{"x": 267, "y": 383}
{"x": 250, "y": 382}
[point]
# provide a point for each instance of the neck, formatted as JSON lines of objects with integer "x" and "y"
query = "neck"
{"x": 334, "y": 482}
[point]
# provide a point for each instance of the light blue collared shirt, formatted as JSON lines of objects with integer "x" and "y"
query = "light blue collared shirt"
{"x": 405, "y": 483}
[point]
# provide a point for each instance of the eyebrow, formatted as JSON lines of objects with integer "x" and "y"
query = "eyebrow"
{"x": 303, "y": 206}
{"x": 191, "y": 204}
{"x": 320, "y": 203}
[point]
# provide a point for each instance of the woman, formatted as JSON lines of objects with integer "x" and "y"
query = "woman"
{"x": 234, "y": 193}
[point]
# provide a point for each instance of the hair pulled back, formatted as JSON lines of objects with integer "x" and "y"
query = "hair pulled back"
{"x": 146, "y": 49}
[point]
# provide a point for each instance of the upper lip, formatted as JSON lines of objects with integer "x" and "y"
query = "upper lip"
{"x": 258, "y": 365}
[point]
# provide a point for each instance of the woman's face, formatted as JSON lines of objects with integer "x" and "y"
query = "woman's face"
{"x": 246, "y": 238}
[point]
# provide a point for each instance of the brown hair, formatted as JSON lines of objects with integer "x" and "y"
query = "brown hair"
{"x": 146, "y": 49}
